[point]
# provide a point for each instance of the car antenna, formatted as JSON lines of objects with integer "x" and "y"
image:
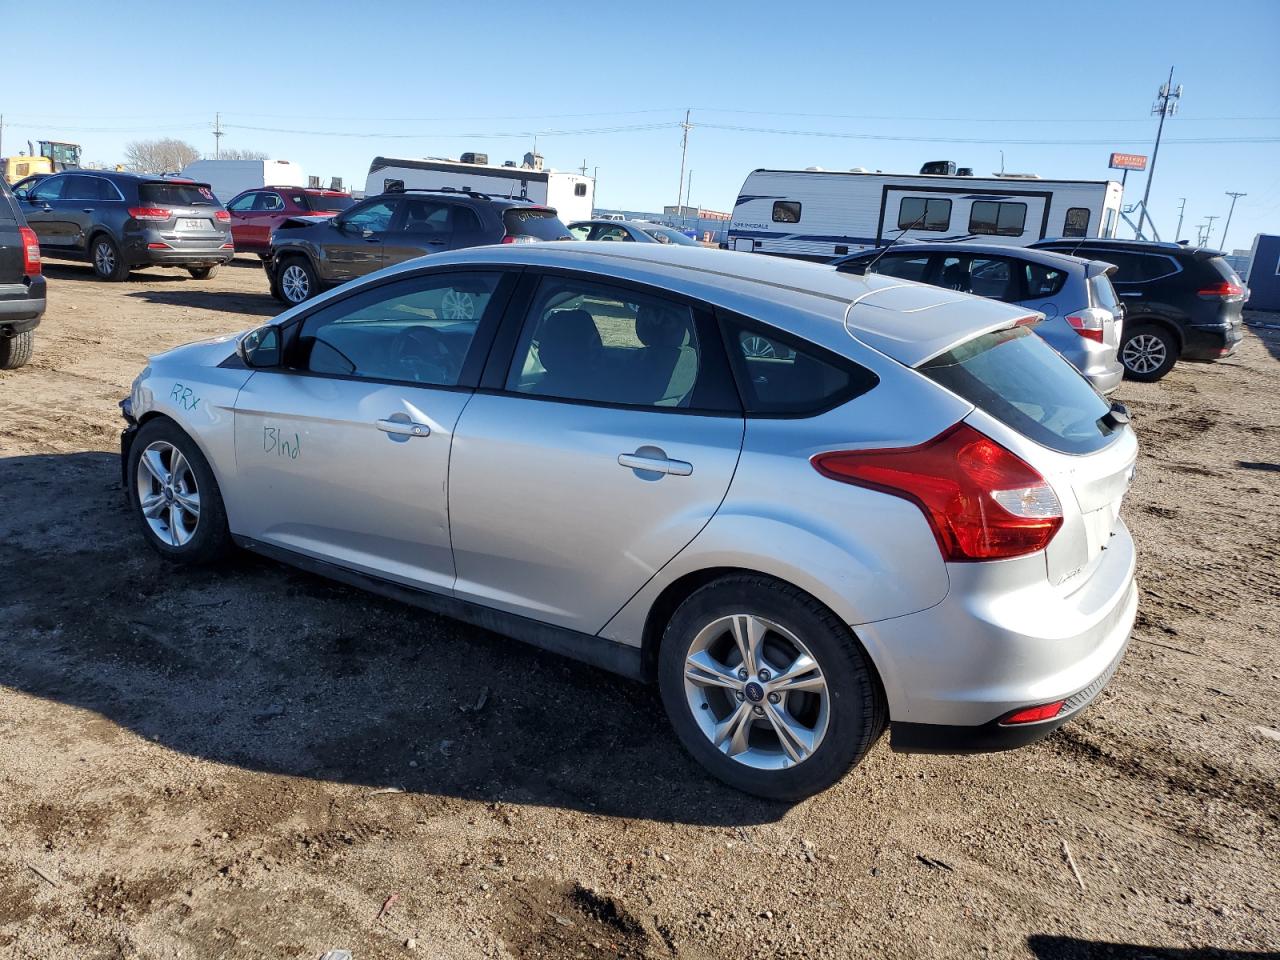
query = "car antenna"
{"x": 885, "y": 248}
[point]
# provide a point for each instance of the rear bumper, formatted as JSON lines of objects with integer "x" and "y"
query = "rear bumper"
{"x": 1002, "y": 640}
{"x": 21, "y": 306}
{"x": 184, "y": 257}
{"x": 1107, "y": 380}
{"x": 1212, "y": 341}
{"x": 178, "y": 252}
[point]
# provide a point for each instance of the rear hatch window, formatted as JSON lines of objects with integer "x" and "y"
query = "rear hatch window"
{"x": 177, "y": 195}
{"x": 1104, "y": 294}
{"x": 322, "y": 204}
{"x": 540, "y": 223}
{"x": 1020, "y": 380}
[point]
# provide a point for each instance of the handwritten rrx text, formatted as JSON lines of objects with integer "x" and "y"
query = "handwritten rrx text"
{"x": 273, "y": 441}
{"x": 182, "y": 396}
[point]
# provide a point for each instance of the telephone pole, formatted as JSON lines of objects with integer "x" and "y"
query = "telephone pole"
{"x": 684, "y": 152}
{"x": 1225, "y": 227}
{"x": 1208, "y": 228}
{"x": 217, "y": 136}
{"x": 1182, "y": 206}
{"x": 1, "y": 134}
{"x": 1166, "y": 105}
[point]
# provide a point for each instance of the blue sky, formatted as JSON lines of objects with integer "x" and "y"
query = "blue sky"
{"x": 404, "y": 78}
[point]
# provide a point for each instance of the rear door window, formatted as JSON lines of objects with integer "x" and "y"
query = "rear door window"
{"x": 903, "y": 266}
{"x": 1020, "y": 380}
{"x": 991, "y": 277}
{"x": 1043, "y": 280}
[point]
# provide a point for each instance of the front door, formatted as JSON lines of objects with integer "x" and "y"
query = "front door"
{"x": 605, "y": 446}
{"x": 343, "y": 452}
{"x": 355, "y": 248}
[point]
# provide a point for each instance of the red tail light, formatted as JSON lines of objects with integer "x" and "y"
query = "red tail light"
{"x": 513, "y": 238}
{"x": 150, "y": 213}
{"x": 1089, "y": 327}
{"x": 223, "y": 216}
{"x": 1046, "y": 711}
{"x": 1225, "y": 289}
{"x": 983, "y": 502}
{"x": 30, "y": 251}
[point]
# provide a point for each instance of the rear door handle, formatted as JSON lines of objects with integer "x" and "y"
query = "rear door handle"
{"x": 636, "y": 461}
{"x": 404, "y": 428}
{"x": 88, "y": 209}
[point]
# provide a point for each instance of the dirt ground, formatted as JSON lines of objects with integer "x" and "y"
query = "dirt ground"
{"x": 256, "y": 763}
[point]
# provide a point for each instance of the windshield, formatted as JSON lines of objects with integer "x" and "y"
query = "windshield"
{"x": 541, "y": 223}
{"x": 178, "y": 194}
{"x": 321, "y": 203}
{"x": 668, "y": 235}
{"x": 1020, "y": 380}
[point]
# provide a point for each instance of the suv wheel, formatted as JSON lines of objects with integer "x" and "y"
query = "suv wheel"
{"x": 296, "y": 281}
{"x": 202, "y": 273}
{"x": 16, "y": 350}
{"x": 1147, "y": 352}
{"x": 767, "y": 688}
{"x": 174, "y": 495}
{"x": 108, "y": 264}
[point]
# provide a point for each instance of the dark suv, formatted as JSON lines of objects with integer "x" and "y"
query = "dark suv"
{"x": 21, "y": 284}
{"x": 1180, "y": 302}
{"x": 121, "y": 221}
{"x": 310, "y": 254}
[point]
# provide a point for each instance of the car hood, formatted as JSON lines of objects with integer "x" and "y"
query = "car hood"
{"x": 201, "y": 353}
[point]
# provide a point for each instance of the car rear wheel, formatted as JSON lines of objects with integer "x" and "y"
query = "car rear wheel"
{"x": 1147, "y": 352}
{"x": 767, "y": 688}
{"x": 296, "y": 281}
{"x": 16, "y": 350}
{"x": 203, "y": 273}
{"x": 108, "y": 264}
{"x": 174, "y": 495}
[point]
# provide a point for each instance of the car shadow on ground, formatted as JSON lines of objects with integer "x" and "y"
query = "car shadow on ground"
{"x": 1045, "y": 947}
{"x": 71, "y": 270}
{"x": 224, "y": 301}
{"x": 257, "y": 665}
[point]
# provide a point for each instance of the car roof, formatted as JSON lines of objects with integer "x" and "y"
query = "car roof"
{"x": 1046, "y": 257}
{"x": 1165, "y": 247}
{"x": 911, "y": 322}
{"x": 471, "y": 195}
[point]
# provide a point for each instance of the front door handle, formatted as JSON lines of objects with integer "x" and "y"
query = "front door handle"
{"x": 654, "y": 463}
{"x": 404, "y": 428}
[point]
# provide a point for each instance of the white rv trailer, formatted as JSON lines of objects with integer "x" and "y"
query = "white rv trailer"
{"x": 820, "y": 214}
{"x": 570, "y": 194}
{"x": 229, "y": 177}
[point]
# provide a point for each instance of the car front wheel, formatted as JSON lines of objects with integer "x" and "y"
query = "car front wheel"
{"x": 296, "y": 281}
{"x": 174, "y": 495}
{"x": 767, "y": 688}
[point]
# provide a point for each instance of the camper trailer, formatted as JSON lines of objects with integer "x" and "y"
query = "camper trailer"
{"x": 818, "y": 214}
{"x": 227, "y": 178}
{"x": 570, "y": 194}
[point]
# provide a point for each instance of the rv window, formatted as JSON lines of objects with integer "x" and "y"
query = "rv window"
{"x": 786, "y": 211}
{"x": 393, "y": 186}
{"x": 1077, "y": 222}
{"x": 579, "y": 189}
{"x": 932, "y": 214}
{"x": 997, "y": 219}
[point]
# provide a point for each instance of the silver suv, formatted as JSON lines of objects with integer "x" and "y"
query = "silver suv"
{"x": 905, "y": 512}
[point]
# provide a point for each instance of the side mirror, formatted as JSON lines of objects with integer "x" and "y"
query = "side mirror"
{"x": 260, "y": 348}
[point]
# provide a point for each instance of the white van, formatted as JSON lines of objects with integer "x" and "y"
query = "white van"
{"x": 230, "y": 177}
{"x": 820, "y": 214}
{"x": 570, "y": 194}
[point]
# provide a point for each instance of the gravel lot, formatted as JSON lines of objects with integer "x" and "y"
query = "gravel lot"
{"x": 256, "y": 763}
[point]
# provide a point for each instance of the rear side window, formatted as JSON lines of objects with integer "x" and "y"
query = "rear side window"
{"x": 903, "y": 267}
{"x": 917, "y": 213}
{"x": 780, "y": 377}
{"x": 540, "y": 223}
{"x": 321, "y": 204}
{"x": 177, "y": 194}
{"x": 998, "y": 219}
{"x": 1020, "y": 380}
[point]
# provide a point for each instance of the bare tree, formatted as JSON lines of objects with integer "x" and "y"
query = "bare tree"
{"x": 159, "y": 156}
{"x": 235, "y": 154}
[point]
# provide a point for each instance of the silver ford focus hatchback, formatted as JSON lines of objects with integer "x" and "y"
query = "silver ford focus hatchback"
{"x": 809, "y": 505}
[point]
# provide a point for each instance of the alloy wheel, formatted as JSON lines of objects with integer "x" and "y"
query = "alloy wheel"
{"x": 168, "y": 493}
{"x": 756, "y": 692}
{"x": 295, "y": 284}
{"x": 1144, "y": 353}
{"x": 104, "y": 258}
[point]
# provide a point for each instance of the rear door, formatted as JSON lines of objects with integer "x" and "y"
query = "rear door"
{"x": 604, "y": 442}
{"x": 46, "y": 217}
{"x": 11, "y": 253}
{"x": 242, "y": 222}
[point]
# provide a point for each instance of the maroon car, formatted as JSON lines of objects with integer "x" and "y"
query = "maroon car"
{"x": 255, "y": 213}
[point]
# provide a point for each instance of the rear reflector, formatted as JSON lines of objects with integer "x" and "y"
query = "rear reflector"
{"x": 1089, "y": 327}
{"x": 30, "y": 251}
{"x": 1046, "y": 711}
{"x": 1221, "y": 290}
{"x": 158, "y": 246}
{"x": 228, "y": 246}
{"x": 982, "y": 501}
{"x": 150, "y": 213}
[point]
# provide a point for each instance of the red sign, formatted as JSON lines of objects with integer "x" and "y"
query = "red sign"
{"x": 1128, "y": 161}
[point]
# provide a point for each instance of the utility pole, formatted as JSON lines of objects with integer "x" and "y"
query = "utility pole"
{"x": 1, "y": 134}
{"x": 595, "y": 190}
{"x": 1225, "y": 227}
{"x": 1200, "y": 228}
{"x": 583, "y": 168}
{"x": 1166, "y": 105}
{"x": 1182, "y": 206}
{"x": 217, "y": 136}
{"x": 684, "y": 152}
{"x": 1208, "y": 229}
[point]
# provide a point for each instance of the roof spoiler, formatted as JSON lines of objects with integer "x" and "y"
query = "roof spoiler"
{"x": 1097, "y": 268}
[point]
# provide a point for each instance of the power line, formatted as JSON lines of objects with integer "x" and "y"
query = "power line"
{"x": 420, "y": 135}
{"x": 778, "y": 131}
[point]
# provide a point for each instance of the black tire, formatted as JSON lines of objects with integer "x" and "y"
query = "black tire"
{"x": 857, "y": 713}
{"x": 108, "y": 262}
{"x": 210, "y": 539}
{"x": 295, "y": 287}
{"x": 1147, "y": 352}
{"x": 15, "y": 351}
{"x": 203, "y": 273}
